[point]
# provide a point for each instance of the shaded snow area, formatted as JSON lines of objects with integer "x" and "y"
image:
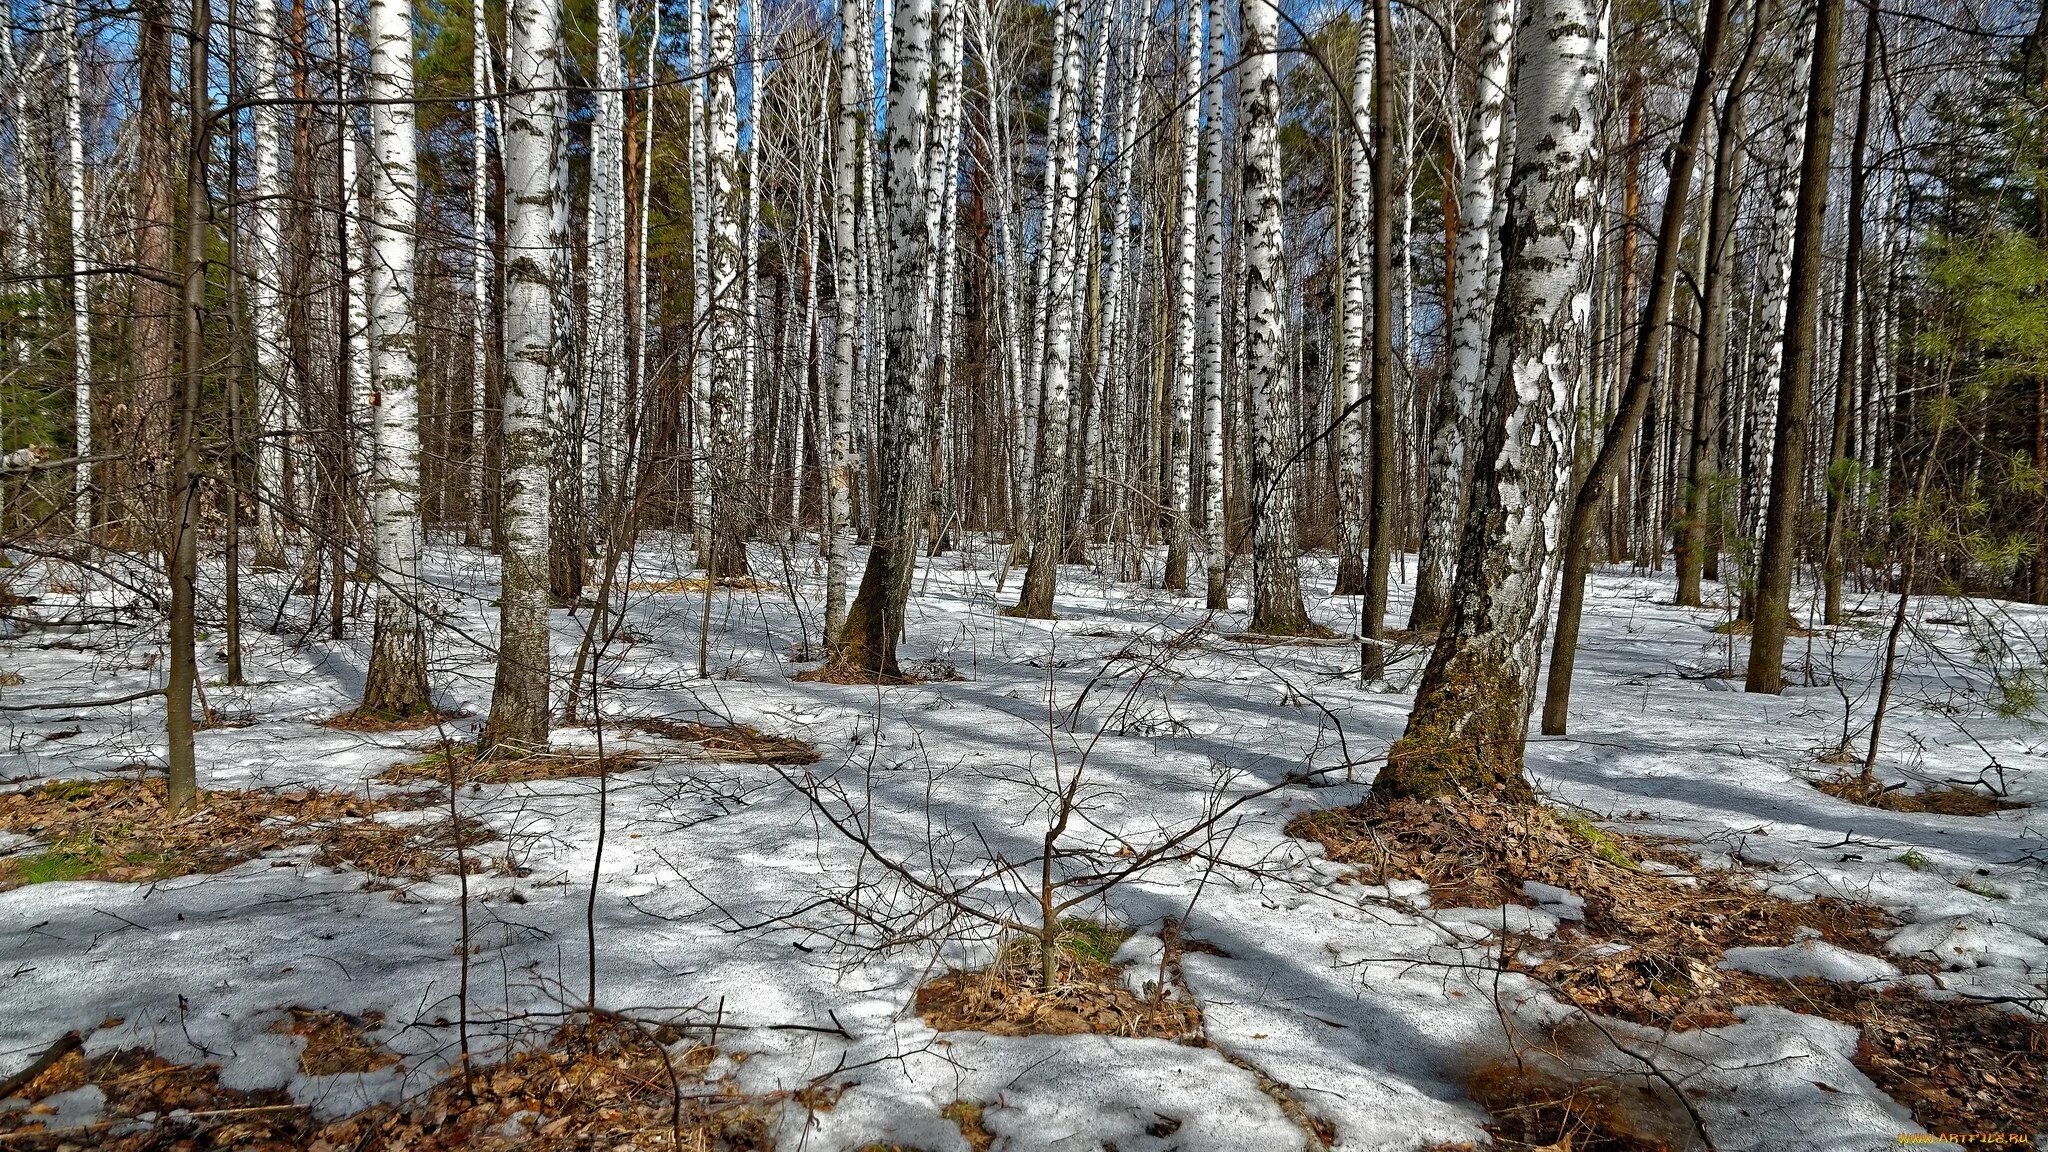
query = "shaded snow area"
{"x": 736, "y": 893}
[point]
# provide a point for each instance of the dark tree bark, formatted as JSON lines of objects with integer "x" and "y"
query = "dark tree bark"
{"x": 1379, "y": 537}
{"x": 1841, "y": 469}
{"x": 1788, "y": 460}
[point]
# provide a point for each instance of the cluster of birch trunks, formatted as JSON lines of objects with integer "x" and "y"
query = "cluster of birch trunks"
{"x": 1183, "y": 289}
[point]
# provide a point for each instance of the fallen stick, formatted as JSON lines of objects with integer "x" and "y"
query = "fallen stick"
{"x": 63, "y": 1046}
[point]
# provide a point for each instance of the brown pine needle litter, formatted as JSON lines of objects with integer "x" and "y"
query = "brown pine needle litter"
{"x": 698, "y": 584}
{"x": 593, "y": 1085}
{"x": 1651, "y": 943}
{"x": 732, "y": 743}
{"x": 357, "y": 720}
{"x": 119, "y": 830}
{"x": 336, "y": 1042}
{"x": 507, "y": 767}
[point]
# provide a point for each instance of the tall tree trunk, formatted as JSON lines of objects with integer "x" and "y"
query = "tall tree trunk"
{"x": 482, "y": 266}
{"x": 1467, "y": 730}
{"x": 396, "y": 684}
{"x": 856, "y": 55}
{"x": 874, "y": 622}
{"x": 726, "y": 337}
{"x": 182, "y": 556}
{"x": 1063, "y": 147}
{"x": 1379, "y": 535}
{"x": 1356, "y": 237}
{"x": 1635, "y": 395}
{"x": 81, "y": 301}
{"x": 152, "y": 344}
{"x": 1841, "y": 469}
{"x": 531, "y": 135}
{"x": 1214, "y": 558}
{"x": 605, "y": 328}
{"x": 1276, "y": 573}
{"x": 1704, "y": 503}
{"x": 1179, "y": 536}
{"x": 1788, "y": 458}
{"x": 1456, "y": 404}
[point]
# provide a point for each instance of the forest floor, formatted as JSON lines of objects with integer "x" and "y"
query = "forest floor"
{"x": 798, "y": 910}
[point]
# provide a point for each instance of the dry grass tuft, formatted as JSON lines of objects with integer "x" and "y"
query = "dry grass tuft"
{"x": 11, "y": 680}
{"x": 505, "y": 767}
{"x": 1088, "y": 996}
{"x": 1947, "y": 800}
{"x": 733, "y": 743}
{"x": 336, "y": 1042}
{"x": 120, "y": 830}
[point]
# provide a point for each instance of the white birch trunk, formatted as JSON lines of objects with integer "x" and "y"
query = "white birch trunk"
{"x": 81, "y": 303}
{"x": 1276, "y": 577}
{"x": 1179, "y": 448}
{"x": 396, "y": 683}
{"x": 481, "y": 260}
{"x": 728, "y": 333}
{"x": 856, "y": 57}
{"x": 1471, "y": 313}
{"x": 266, "y": 311}
{"x": 604, "y": 337}
{"x": 1471, "y": 712}
{"x": 1212, "y": 318}
{"x": 1357, "y": 241}
{"x": 531, "y": 135}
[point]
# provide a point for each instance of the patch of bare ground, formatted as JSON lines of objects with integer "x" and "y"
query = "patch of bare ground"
{"x": 603, "y": 1086}
{"x": 506, "y": 767}
{"x": 336, "y": 1042}
{"x": 733, "y": 743}
{"x": 1088, "y": 994}
{"x": 1649, "y": 948}
{"x": 1946, "y": 800}
{"x": 121, "y": 830}
{"x": 409, "y": 851}
{"x": 358, "y": 720}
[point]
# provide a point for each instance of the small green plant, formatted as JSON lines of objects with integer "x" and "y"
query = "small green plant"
{"x": 1603, "y": 843}
{"x": 1981, "y": 889}
{"x": 1912, "y": 858}
{"x": 1091, "y": 940}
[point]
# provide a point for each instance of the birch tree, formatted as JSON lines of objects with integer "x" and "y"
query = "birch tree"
{"x": 1277, "y": 609}
{"x": 1185, "y": 315}
{"x": 81, "y": 302}
{"x": 855, "y": 59}
{"x": 1356, "y": 242}
{"x": 726, "y": 335}
{"x": 604, "y": 336}
{"x": 1214, "y": 560}
{"x": 481, "y": 260}
{"x": 531, "y": 136}
{"x": 867, "y": 641}
{"x": 1455, "y": 408}
{"x": 1049, "y": 485}
{"x": 266, "y": 258}
{"x": 396, "y": 684}
{"x": 1471, "y": 712}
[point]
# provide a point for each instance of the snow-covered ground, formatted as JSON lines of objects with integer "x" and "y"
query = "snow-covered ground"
{"x": 725, "y": 889}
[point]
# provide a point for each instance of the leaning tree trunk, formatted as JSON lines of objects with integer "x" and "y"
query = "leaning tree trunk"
{"x": 1471, "y": 713}
{"x": 530, "y": 136}
{"x": 867, "y": 643}
{"x": 396, "y": 684}
{"x": 1635, "y": 396}
{"x": 1788, "y": 458}
{"x": 1455, "y": 409}
{"x": 1701, "y": 483}
{"x": 1276, "y": 562}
